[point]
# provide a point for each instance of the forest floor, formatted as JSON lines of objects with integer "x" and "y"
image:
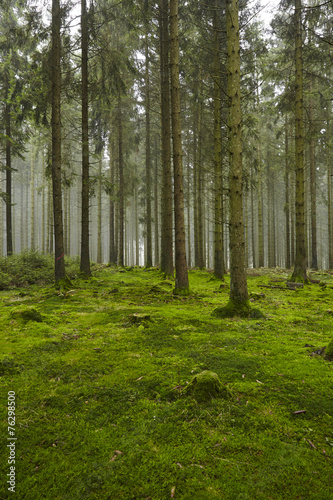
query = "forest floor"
{"x": 98, "y": 372}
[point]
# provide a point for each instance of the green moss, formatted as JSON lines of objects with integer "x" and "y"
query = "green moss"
{"x": 64, "y": 284}
{"x": 233, "y": 308}
{"x": 329, "y": 351}
{"x": 184, "y": 292}
{"x": 204, "y": 386}
{"x": 26, "y": 315}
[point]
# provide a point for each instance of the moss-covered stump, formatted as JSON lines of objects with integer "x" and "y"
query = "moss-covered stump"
{"x": 205, "y": 386}
{"x": 183, "y": 292}
{"x": 64, "y": 284}
{"x": 233, "y": 309}
{"x": 25, "y": 315}
{"x": 329, "y": 351}
{"x": 238, "y": 309}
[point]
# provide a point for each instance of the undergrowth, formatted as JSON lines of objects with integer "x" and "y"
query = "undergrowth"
{"x": 100, "y": 407}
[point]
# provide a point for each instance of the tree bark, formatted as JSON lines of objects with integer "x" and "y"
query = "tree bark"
{"x": 313, "y": 184}
{"x": 9, "y": 229}
{"x": 85, "y": 253}
{"x": 166, "y": 205}
{"x": 218, "y": 215}
{"x": 149, "y": 248}
{"x": 238, "y": 285}
{"x": 112, "y": 244}
{"x": 181, "y": 284}
{"x": 287, "y": 204}
{"x": 299, "y": 273}
{"x": 329, "y": 187}
{"x": 121, "y": 218}
{"x": 56, "y": 143}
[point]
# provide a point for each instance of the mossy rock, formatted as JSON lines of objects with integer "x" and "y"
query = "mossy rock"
{"x": 329, "y": 351}
{"x": 204, "y": 386}
{"x": 25, "y": 315}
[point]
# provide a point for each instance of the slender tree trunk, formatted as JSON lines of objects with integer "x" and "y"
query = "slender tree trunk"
{"x": 299, "y": 273}
{"x": 121, "y": 209}
{"x": 56, "y": 143}
{"x": 218, "y": 187}
{"x": 85, "y": 253}
{"x": 261, "y": 254}
{"x": 313, "y": 185}
{"x": 32, "y": 197}
{"x": 166, "y": 206}
{"x": 253, "y": 239}
{"x": 181, "y": 285}
{"x": 99, "y": 213}
{"x": 9, "y": 229}
{"x": 69, "y": 220}
{"x": 156, "y": 212}
{"x": 137, "y": 242}
{"x": 238, "y": 302}
{"x": 149, "y": 248}
{"x": 43, "y": 206}
{"x": 112, "y": 249}
{"x": 189, "y": 252}
{"x": 329, "y": 188}
{"x": 65, "y": 218}
{"x": 287, "y": 205}
{"x": 195, "y": 186}
{"x": 1, "y": 217}
{"x": 199, "y": 170}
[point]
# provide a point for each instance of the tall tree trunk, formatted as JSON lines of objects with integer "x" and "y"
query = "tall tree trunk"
{"x": 99, "y": 213}
{"x": 299, "y": 273}
{"x": 149, "y": 248}
{"x": 199, "y": 171}
{"x": 121, "y": 209}
{"x": 181, "y": 285}
{"x": 69, "y": 220}
{"x": 85, "y": 253}
{"x": 238, "y": 302}
{"x": 56, "y": 143}
{"x": 261, "y": 254}
{"x": 156, "y": 212}
{"x": 136, "y": 218}
{"x": 188, "y": 192}
{"x": 166, "y": 205}
{"x": 65, "y": 218}
{"x": 32, "y": 196}
{"x": 329, "y": 187}
{"x": 253, "y": 239}
{"x": 1, "y": 216}
{"x": 43, "y": 206}
{"x": 9, "y": 229}
{"x": 218, "y": 216}
{"x": 313, "y": 185}
{"x": 287, "y": 204}
{"x": 112, "y": 244}
{"x": 195, "y": 185}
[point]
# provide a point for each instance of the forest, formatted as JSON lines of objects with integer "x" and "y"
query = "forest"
{"x": 166, "y": 255}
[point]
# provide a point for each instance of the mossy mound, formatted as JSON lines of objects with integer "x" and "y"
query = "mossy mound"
{"x": 25, "y": 315}
{"x": 204, "y": 386}
{"x": 183, "y": 292}
{"x": 64, "y": 284}
{"x": 329, "y": 351}
{"x": 232, "y": 309}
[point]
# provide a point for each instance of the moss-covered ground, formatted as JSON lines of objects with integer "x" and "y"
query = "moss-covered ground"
{"x": 98, "y": 373}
